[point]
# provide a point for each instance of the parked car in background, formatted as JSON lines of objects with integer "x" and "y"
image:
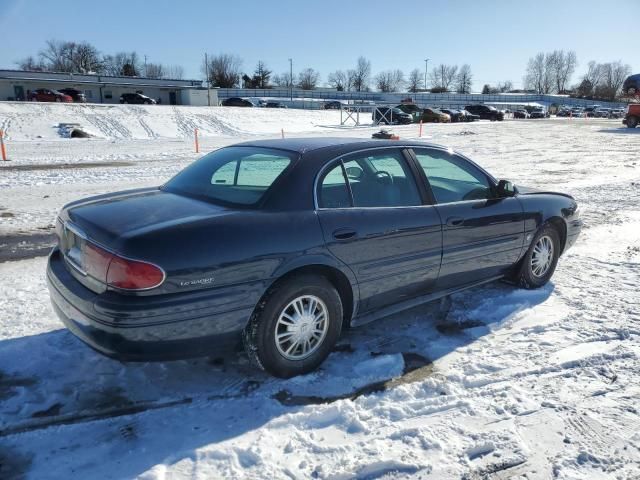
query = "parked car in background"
{"x": 486, "y": 112}
{"x": 333, "y": 105}
{"x": 601, "y": 113}
{"x": 577, "y": 112}
{"x": 616, "y": 113}
{"x": 632, "y": 117}
{"x": 76, "y": 95}
{"x": 412, "y": 109}
{"x": 538, "y": 112}
{"x": 237, "y": 102}
{"x": 468, "y": 116}
{"x": 136, "y": 98}
{"x": 455, "y": 115}
{"x": 434, "y": 115}
{"x": 391, "y": 116}
{"x": 279, "y": 243}
{"x": 271, "y": 104}
{"x": 48, "y": 95}
{"x": 521, "y": 113}
{"x": 631, "y": 85}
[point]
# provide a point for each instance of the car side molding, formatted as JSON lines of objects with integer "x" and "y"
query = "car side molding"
{"x": 414, "y": 302}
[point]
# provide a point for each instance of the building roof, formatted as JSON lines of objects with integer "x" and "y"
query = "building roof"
{"x": 90, "y": 78}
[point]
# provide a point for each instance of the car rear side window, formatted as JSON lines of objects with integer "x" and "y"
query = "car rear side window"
{"x": 233, "y": 175}
{"x": 452, "y": 178}
{"x": 374, "y": 179}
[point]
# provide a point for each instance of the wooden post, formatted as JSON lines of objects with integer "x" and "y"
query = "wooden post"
{"x": 196, "y": 140}
{"x": 420, "y": 135}
{"x": 4, "y": 151}
{"x": 282, "y": 132}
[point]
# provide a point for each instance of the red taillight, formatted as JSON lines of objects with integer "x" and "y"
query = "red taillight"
{"x": 96, "y": 261}
{"x": 120, "y": 272}
{"x": 133, "y": 275}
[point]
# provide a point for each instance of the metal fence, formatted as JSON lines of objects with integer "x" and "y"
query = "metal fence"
{"x": 315, "y": 99}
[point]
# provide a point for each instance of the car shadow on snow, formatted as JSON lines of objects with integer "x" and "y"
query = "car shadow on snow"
{"x": 60, "y": 381}
{"x": 623, "y": 130}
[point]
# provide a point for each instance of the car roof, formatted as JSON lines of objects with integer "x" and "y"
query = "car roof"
{"x": 341, "y": 144}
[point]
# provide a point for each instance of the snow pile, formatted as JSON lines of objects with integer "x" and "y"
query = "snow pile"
{"x": 27, "y": 121}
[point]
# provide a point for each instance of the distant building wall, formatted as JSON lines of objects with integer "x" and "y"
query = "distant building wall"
{"x": 17, "y": 84}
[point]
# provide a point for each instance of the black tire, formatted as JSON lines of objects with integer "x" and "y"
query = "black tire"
{"x": 525, "y": 276}
{"x": 259, "y": 336}
{"x": 632, "y": 122}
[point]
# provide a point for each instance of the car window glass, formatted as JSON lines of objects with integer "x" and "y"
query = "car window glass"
{"x": 334, "y": 192}
{"x": 386, "y": 180}
{"x": 236, "y": 175}
{"x": 452, "y": 178}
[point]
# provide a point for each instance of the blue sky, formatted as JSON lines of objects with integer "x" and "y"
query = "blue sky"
{"x": 495, "y": 37}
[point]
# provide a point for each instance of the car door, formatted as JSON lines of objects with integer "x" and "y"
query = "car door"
{"x": 482, "y": 236}
{"x": 374, "y": 219}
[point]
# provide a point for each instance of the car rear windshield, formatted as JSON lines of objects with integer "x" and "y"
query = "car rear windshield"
{"x": 232, "y": 175}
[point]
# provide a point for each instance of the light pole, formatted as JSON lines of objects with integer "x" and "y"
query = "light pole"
{"x": 291, "y": 77}
{"x": 426, "y": 64}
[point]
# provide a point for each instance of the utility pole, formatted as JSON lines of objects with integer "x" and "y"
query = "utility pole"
{"x": 145, "y": 66}
{"x": 206, "y": 69}
{"x": 426, "y": 64}
{"x": 291, "y": 77}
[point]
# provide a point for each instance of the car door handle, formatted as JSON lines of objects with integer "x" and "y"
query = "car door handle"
{"x": 344, "y": 233}
{"x": 455, "y": 221}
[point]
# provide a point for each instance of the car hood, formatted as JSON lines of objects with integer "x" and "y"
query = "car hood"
{"x": 112, "y": 219}
{"x": 535, "y": 191}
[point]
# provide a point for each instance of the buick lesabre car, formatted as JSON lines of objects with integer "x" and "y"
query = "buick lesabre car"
{"x": 284, "y": 243}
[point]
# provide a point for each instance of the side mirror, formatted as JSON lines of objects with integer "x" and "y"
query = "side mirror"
{"x": 505, "y": 189}
{"x": 354, "y": 173}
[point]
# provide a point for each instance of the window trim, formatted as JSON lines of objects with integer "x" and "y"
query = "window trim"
{"x": 490, "y": 178}
{"x": 410, "y": 162}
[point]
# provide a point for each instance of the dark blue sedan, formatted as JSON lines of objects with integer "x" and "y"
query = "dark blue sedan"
{"x": 283, "y": 243}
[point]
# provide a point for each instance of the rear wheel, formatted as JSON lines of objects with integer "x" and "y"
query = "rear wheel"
{"x": 632, "y": 122}
{"x": 293, "y": 329}
{"x": 540, "y": 261}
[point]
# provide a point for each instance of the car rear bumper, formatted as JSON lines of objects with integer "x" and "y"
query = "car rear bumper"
{"x": 146, "y": 328}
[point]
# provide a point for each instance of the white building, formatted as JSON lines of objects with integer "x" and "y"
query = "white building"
{"x": 17, "y": 84}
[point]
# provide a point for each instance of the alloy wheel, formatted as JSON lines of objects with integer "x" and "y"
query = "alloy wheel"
{"x": 542, "y": 256}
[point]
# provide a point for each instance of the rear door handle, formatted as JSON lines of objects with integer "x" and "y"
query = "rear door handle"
{"x": 455, "y": 221}
{"x": 344, "y": 233}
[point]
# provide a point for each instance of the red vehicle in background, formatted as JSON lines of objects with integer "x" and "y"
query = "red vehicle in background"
{"x": 46, "y": 95}
{"x": 632, "y": 118}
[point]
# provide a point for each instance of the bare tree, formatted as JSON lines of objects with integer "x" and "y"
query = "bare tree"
{"x": 174, "y": 71}
{"x": 564, "y": 70}
{"x": 504, "y": 87}
{"x": 362, "y": 75}
{"x": 464, "y": 80}
{"x": 308, "y": 79}
{"x": 123, "y": 64}
{"x": 55, "y": 55}
{"x": 415, "y": 81}
{"x": 154, "y": 70}
{"x": 389, "y": 80}
{"x": 224, "y": 70}
{"x": 536, "y": 72}
{"x": 283, "y": 80}
{"x": 442, "y": 77}
{"x": 351, "y": 79}
{"x": 613, "y": 77}
{"x": 31, "y": 64}
{"x": 338, "y": 80}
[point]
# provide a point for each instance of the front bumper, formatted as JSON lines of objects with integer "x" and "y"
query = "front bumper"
{"x": 146, "y": 328}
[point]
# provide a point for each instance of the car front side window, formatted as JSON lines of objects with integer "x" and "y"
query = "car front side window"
{"x": 453, "y": 179}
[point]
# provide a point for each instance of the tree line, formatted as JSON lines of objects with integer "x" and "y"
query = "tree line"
{"x": 551, "y": 72}
{"x": 83, "y": 57}
{"x": 546, "y": 73}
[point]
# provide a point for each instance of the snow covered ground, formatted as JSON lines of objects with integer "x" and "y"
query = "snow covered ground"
{"x": 507, "y": 384}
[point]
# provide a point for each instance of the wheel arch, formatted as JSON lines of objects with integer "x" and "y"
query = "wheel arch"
{"x": 341, "y": 278}
{"x": 560, "y": 225}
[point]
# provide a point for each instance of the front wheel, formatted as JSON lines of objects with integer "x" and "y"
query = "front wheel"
{"x": 541, "y": 259}
{"x": 293, "y": 330}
